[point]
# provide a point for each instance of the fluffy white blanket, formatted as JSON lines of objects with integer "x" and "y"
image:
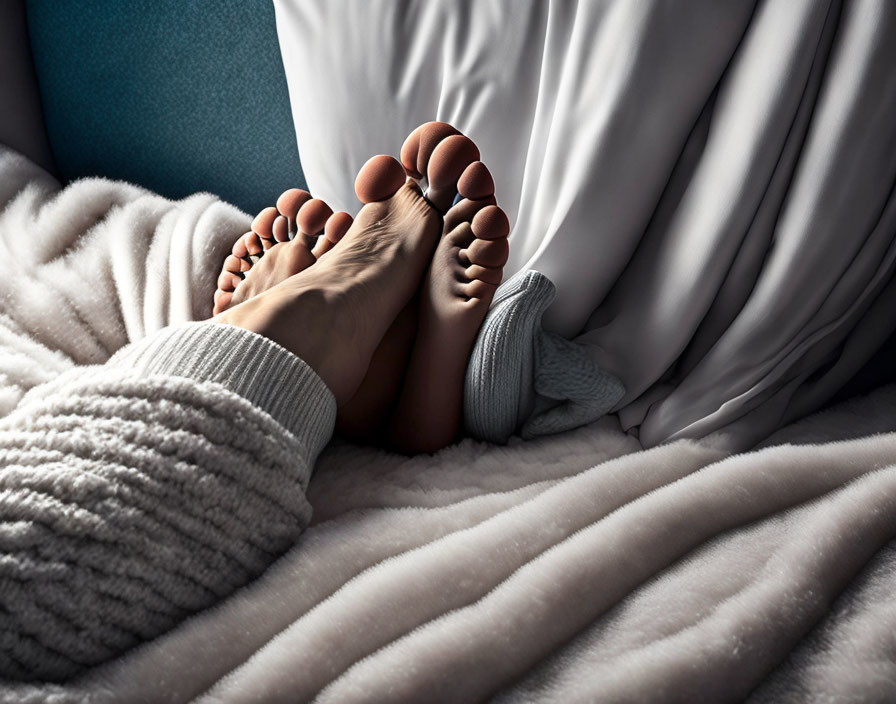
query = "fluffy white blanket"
{"x": 573, "y": 568}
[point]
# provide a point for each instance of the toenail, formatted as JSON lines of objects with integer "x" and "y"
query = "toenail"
{"x": 281, "y": 229}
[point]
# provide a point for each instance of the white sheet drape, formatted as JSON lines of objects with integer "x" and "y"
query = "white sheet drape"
{"x": 708, "y": 184}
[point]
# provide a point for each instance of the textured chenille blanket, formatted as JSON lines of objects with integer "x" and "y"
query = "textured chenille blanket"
{"x": 573, "y": 567}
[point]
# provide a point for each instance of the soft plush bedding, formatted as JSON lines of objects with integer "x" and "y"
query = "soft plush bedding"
{"x": 572, "y": 568}
{"x": 575, "y": 567}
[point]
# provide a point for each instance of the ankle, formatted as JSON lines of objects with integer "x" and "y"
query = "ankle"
{"x": 309, "y": 322}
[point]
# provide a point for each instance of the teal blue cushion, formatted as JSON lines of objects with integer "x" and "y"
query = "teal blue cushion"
{"x": 178, "y": 96}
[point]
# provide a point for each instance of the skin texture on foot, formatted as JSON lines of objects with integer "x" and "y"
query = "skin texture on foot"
{"x": 334, "y": 314}
{"x": 290, "y": 236}
{"x": 411, "y": 395}
{"x": 465, "y": 271}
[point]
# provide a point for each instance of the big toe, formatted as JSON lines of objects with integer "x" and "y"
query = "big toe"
{"x": 420, "y": 144}
{"x": 450, "y": 163}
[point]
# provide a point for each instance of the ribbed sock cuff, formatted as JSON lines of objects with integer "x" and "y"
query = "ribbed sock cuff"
{"x": 258, "y": 369}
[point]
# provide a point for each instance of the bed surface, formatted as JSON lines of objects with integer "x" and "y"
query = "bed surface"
{"x": 571, "y": 568}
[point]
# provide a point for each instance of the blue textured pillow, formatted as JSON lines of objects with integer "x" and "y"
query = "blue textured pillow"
{"x": 178, "y": 96}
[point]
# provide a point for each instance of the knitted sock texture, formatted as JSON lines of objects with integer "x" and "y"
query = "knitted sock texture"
{"x": 521, "y": 378}
{"x": 136, "y": 493}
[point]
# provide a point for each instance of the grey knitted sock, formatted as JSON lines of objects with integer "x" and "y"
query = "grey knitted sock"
{"x": 518, "y": 372}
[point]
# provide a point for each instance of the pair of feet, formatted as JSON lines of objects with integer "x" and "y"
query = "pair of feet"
{"x": 385, "y": 307}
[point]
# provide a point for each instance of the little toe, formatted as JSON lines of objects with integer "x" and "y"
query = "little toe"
{"x": 418, "y": 147}
{"x": 379, "y": 179}
{"x": 222, "y": 301}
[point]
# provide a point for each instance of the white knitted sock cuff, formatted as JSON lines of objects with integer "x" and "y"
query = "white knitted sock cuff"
{"x": 251, "y": 365}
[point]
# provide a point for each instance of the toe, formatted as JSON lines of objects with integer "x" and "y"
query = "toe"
{"x": 449, "y": 160}
{"x": 476, "y": 182}
{"x": 334, "y": 230}
{"x": 228, "y": 281}
{"x": 483, "y": 273}
{"x": 222, "y": 301}
{"x": 379, "y": 179}
{"x": 281, "y": 229}
{"x": 420, "y": 144}
{"x": 488, "y": 253}
{"x": 321, "y": 247}
{"x": 253, "y": 244}
{"x": 491, "y": 223}
{"x": 337, "y": 226}
{"x": 240, "y": 248}
{"x": 479, "y": 289}
{"x": 464, "y": 211}
{"x": 235, "y": 264}
{"x": 290, "y": 202}
{"x": 313, "y": 216}
{"x": 297, "y": 257}
{"x": 263, "y": 223}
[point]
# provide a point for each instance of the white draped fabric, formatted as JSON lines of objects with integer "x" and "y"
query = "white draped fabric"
{"x": 709, "y": 184}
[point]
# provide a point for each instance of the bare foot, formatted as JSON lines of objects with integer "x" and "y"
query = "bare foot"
{"x": 458, "y": 289}
{"x": 295, "y": 233}
{"x": 286, "y": 240}
{"x": 334, "y": 314}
